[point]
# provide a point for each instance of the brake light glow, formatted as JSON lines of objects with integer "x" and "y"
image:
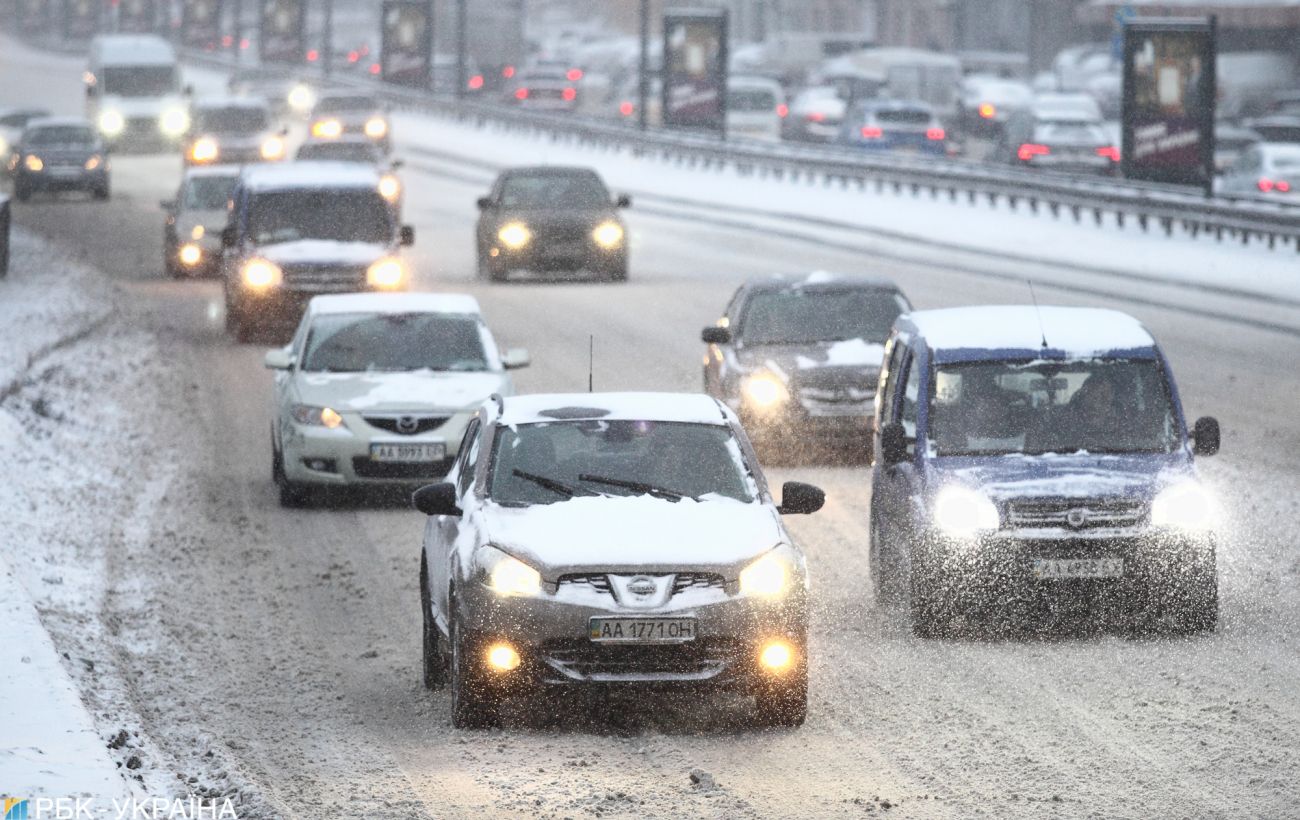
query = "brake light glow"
{"x": 521, "y": 93}
{"x": 353, "y": 56}
{"x": 476, "y": 82}
{"x": 988, "y": 111}
{"x": 375, "y": 68}
{"x": 783, "y": 110}
{"x": 1110, "y": 152}
{"x": 871, "y": 132}
{"x": 574, "y": 74}
{"x": 570, "y": 94}
{"x": 1030, "y": 150}
{"x": 626, "y": 109}
{"x": 936, "y": 134}
{"x": 508, "y": 72}
{"x": 313, "y": 55}
{"x": 1267, "y": 185}
{"x": 816, "y": 116}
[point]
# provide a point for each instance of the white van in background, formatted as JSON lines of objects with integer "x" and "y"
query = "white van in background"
{"x": 133, "y": 91}
{"x": 755, "y": 108}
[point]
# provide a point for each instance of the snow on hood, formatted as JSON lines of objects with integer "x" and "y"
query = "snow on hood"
{"x": 635, "y": 534}
{"x": 419, "y": 390}
{"x": 847, "y": 353}
{"x": 1064, "y": 476}
{"x": 323, "y": 251}
{"x": 786, "y": 359}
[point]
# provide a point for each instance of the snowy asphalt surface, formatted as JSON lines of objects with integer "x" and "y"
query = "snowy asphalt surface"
{"x": 275, "y": 653}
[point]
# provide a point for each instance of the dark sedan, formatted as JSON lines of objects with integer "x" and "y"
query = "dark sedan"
{"x": 551, "y": 219}
{"x": 59, "y": 154}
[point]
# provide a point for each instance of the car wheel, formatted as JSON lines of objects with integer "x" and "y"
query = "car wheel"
{"x": 101, "y": 192}
{"x": 784, "y": 703}
{"x": 471, "y": 706}
{"x": 882, "y": 566}
{"x": 434, "y": 661}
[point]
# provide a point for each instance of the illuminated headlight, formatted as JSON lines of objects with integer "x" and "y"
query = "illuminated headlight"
{"x": 197, "y": 232}
{"x": 376, "y": 128}
{"x": 191, "y": 254}
{"x": 111, "y": 123}
{"x": 960, "y": 512}
{"x": 386, "y": 273}
{"x": 776, "y": 656}
{"x": 515, "y": 235}
{"x": 765, "y": 390}
{"x": 508, "y": 576}
{"x": 174, "y": 121}
{"x": 389, "y": 187}
{"x": 259, "y": 274}
{"x": 767, "y": 577}
{"x": 203, "y": 150}
{"x": 316, "y": 416}
{"x": 94, "y": 162}
{"x": 34, "y": 164}
{"x": 1188, "y": 507}
{"x": 608, "y": 235}
{"x": 272, "y": 149}
{"x": 301, "y": 98}
{"x": 4, "y": 146}
{"x": 327, "y": 129}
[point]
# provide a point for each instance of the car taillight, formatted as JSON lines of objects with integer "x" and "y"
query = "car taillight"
{"x": 375, "y": 68}
{"x": 508, "y": 72}
{"x": 1110, "y": 152}
{"x": 521, "y": 93}
{"x": 783, "y": 110}
{"x": 871, "y": 132}
{"x": 816, "y": 116}
{"x": 574, "y": 74}
{"x": 570, "y": 94}
{"x": 1281, "y": 186}
{"x": 353, "y": 56}
{"x": 1030, "y": 150}
{"x": 476, "y": 82}
{"x": 988, "y": 111}
{"x": 935, "y": 134}
{"x": 313, "y": 55}
{"x": 626, "y": 109}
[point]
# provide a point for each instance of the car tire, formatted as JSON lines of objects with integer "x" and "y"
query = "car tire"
{"x": 784, "y": 704}
{"x": 101, "y": 192}
{"x": 471, "y": 706}
{"x": 434, "y": 661}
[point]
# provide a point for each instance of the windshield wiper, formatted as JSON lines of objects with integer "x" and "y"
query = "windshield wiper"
{"x": 638, "y": 486}
{"x": 557, "y": 487}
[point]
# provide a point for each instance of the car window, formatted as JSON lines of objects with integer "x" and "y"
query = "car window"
{"x": 231, "y": 120}
{"x": 469, "y": 448}
{"x": 799, "y": 316}
{"x": 342, "y": 216}
{"x": 911, "y": 401}
{"x": 208, "y": 193}
{"x": 138, "y": 80}
{"x": 885, "y": 398}
{"x": 543, "y": 190}
{"x": 59, "y": 135}
{"x": 1049, "y": 132}
{"x": 395, "y": 342}
{"x": 698, "y": 460}
{"x": 750, "y": 99}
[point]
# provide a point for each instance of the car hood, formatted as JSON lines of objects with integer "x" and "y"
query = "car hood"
{"x": 1063, "y": 476}
{"x": 853, "y": 358}
{"x": 324, "y": 252}
{"x": 635, "y": 534}
{"x": 233, "y": 139}
{"x": 414, "y": 392}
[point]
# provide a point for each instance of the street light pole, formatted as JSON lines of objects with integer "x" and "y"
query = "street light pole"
{"x": 462, "y": 47}
{"x": 644, "y": 91}
{"x": 327, "y": 43}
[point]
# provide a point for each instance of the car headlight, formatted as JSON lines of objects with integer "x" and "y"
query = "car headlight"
{"x": 191, "y": 254}
{"x": 174, "y": 121}
{"x": 506, "y": 575}
{"x": 765, "y": 390}
{"x": 768, "y": 577}
{"x": 111, "y": 123}
{"x": 1187, "y": 506}
{"x": 34, "y": 163}
{"x": 272, "y": 149}
{"x": 376, "y": 128}
{"x": 4, "y": 146}
{"x": 386, "y": 273}
{"x": 608, "y": 234}
{"x": 316, "y": 416}
{"x": 960, "y": 512}
{"x": 301, "y": 98}
{"x": 197, "y": 232}
{"x": 390, "y": 188}
{"x": 327, "y": 129}
{"x": 515, "y": 235}
{"x": 94, "y": 162}
{"x": 260, "y": 273}
{"x": 204, "y": 149}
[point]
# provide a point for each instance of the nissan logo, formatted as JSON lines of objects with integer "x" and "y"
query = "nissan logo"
{"x": 407, "y": 424}
{"x": 1076, "y": 518}
{"x": 641, "y": 587}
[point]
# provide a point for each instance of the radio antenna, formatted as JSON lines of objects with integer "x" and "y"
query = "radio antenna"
{"x": 1042, "y": 331}
{"x": 591, "y": 362}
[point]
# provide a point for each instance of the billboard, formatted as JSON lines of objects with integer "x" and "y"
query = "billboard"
{"x": 695, "y": 70}
{"x": 407, "y": 41}
{"x": 283, "y": 24}
{"x": 80, "y": 19}
{"x": 201, "y": 23}
{"x": 136, "y": 16}
{"x": 1169, "y": 101}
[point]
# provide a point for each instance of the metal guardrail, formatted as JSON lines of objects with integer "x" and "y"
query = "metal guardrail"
{"x": 1150, "y": 206}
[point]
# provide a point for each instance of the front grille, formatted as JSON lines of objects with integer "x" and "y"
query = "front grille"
{"x": 137, "y": 125}
{"x": 697, "y": 580}
{"x": 1075, "y": 513}
{"x": 406, "y": 425}
{"x": 582, "y": 659}
{"x": 364, "y": 467}
{"x": 596, "y": 581}
{"x": 840, "y": 387}
{"x": 324, "y": 278}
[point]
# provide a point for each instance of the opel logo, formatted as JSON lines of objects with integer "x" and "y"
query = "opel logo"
{"x": 407, "y": 424}
{"x": 641, "y": 586}
{"x": 1076, "y": 518}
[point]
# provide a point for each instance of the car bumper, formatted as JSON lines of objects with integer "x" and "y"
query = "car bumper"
{"x": 60, "y": 179}
{"x": 555, "y": 256}
{"x": 797, "y": 422}
{"x": 284, "y": 306}
{"x": 342, "y": 457}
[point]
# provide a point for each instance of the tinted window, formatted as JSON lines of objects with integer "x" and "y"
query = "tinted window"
{"x": 400, "y": 342}
{"x": 750, "y": 99}
{"x": 803, "y": 317}
{"x": 542, "y": 190}
{"x": 1049, "y": 132}
{"x": 693, "y": 459}
{"x": 60, "y": 135}
{"x": 343, "y": 216}
{"x": 138, "y": 81}
{"x": 340, "y": 152}
{"x": 208, "y": 193}
{"x": 331, "y": 105}
{"x": 231, "y": 120}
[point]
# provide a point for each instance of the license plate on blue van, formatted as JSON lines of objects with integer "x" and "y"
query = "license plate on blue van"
{"x": 1047, "y": 569}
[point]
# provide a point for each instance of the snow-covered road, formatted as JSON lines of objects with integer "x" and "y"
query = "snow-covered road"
{"x": 274, "y": 654}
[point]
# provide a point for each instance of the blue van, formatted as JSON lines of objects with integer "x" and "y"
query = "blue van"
{"x": 1036, "y": 462}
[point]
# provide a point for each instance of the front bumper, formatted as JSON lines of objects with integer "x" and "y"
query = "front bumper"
{"x": 63, "y": 178}
{"x": 797, "y": 421}
{"x": 284, "y": 305}
{"x": 557, "y": 255}
{"x": 342, "y": 457}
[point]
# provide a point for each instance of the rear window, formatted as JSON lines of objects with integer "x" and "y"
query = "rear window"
{"x": 1049, "y": 132}
{"x": 208, "y": 193}
{"x": 231, "y": 120}
{"x": 751, "y": 99}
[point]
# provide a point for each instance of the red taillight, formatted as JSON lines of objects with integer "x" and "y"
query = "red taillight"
{"x": 935, "y": 134}
{"x": 1110, "y": 152}
{"x": 508, "y": 72}
{"x": 574, "y": 75}
{"x": 353, "y": 56}
{"x": 783, "y": 110}
{"x": 570, "y": 94}
{"x": 375, "y": 68}
{"x": 626, "y": 109}
{"x": 988, "y": 111}
{"x": 521, "y": 93}
{"x": 1281, "y": 186}
{"x": 476, "y": 82}
{"x": 1029, "y": 150}
{"x": 816, "y": 116}
{"x": 313, "y": 55}
{"x": 1266, "y": 185}
{"x": 227, "y": 41}
{"x": 871, "y": 132}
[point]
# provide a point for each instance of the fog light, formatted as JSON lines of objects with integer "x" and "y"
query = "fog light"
{"x": 191, "y": 254}
{"x": 776, "y": 656}
{"x": 502, "y": 657}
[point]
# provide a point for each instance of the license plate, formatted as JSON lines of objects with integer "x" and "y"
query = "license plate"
{"x": 408, "y": 452}
{"x": 1048, "y": 568}
{"x": 65, "y": 172}
{"x": 642, "y": 630}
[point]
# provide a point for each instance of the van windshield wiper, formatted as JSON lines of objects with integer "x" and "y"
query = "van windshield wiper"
{"x": 557, "y": 487}
{"x": 638, "y": 486}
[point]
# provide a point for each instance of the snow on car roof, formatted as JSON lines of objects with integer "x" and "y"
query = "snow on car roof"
{"x": 692, "y": 408}
{"x": 792, "y": 281}
{"x": 310, "y": 174}
{"x": 213, "y": 103}
{"x": 395, "y": 303}
{"x": 1075, "y": 331}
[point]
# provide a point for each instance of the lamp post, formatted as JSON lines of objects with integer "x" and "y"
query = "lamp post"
{"x": 644, "y": 89}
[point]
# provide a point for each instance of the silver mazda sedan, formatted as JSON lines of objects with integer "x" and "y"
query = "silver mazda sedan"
{"x": 612, "y": 540}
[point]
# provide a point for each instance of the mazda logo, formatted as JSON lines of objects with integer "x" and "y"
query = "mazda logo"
{"x": 1076, "y": 518}
{"x": 407, "y": 424}
{"x": 641, "y": 587}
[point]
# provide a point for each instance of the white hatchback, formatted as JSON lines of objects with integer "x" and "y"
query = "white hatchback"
{"x": 377, "y": 388}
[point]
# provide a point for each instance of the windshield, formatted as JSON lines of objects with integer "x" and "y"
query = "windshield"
{"x": 601, "y": 457}
{"x": 397, "y": 342}
{"x": 343, "y": 216}
{"x": 545, "y": 190}
{"x": 232, "y": 120}
{"x": 139, "y": 81}
{"x": 1098, "y": 406}
{"x": 1050, "y": 132}
{"x": 333, "y": 105}
{"x": 804, "y": 317}
{"x": 364, "y": 152}
{"x": 70, "y": 135}
{"x": 208, "y": 193}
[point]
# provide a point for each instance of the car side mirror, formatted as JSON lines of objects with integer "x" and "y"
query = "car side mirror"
{"x": 436, "y": 499}
{"x": 168, "y": 205}
{"x": 893, "y": 443}
{"x": 228, "y": 237}
{"x": 484, "y": 203}
{"x": 278, "y": 359}
{"x": 515, "y": 358}
{"x": 1205, "y": 436}
{"x": 406, "y": 235}
{"x": 798, "y": 498}
{"x": 623, "y": 201}
{"x": 714, "y": 335}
